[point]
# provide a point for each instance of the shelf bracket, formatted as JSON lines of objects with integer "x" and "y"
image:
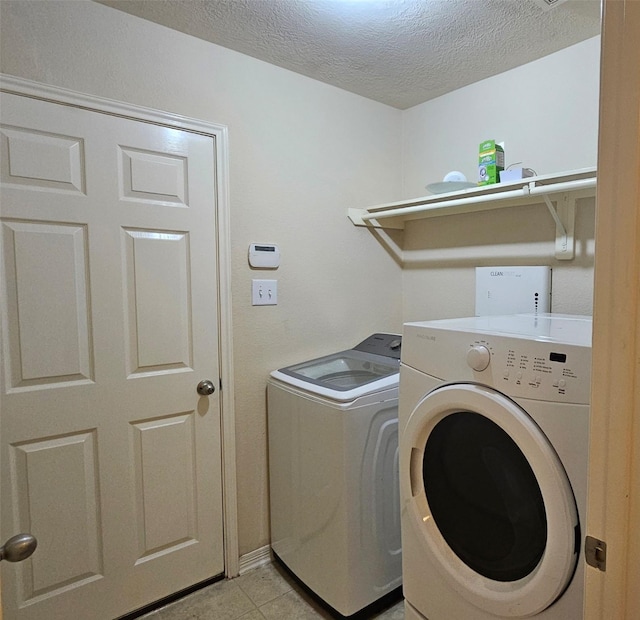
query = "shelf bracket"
{"x": 355, "y": 215}
{"x": 564, "y": 215}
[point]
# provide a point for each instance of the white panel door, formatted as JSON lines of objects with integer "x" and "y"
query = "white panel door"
{"x": 110, "y": 457}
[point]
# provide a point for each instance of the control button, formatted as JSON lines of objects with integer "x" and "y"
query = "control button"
{"x": 519, "y": 374}
{"x": 556, "y": 383}
{"x": 562, "y": 383}
{"x": 505, "y": 374}
{"x": 478, "y": 357}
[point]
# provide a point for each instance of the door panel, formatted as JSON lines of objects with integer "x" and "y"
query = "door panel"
{"x": 46, "y": 347}
{"x": 39, "y": 159}
{"x": 166, "y": 501}
{"x": 154, "y": 177}
{"x": 109, "y": 456}
{"x": 64, "y": 510}
{"x": 157, "y": 274}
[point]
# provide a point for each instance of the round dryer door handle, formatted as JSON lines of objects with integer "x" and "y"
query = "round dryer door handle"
{"x": 478, "y": 357}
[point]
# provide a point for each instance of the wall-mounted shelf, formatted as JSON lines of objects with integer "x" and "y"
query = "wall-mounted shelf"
{"x": 563, "y": 189}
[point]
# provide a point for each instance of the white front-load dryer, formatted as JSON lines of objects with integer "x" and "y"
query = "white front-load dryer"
{"x": 494, "y": 423}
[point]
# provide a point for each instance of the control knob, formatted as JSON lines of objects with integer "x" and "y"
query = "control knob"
{"x": 478, "y": 357}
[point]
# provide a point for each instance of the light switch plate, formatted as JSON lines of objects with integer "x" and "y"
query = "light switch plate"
{"x": 264, "y": 292}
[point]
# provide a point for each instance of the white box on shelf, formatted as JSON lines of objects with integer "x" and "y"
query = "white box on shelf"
{"x": 513, "y": 290}
{"x": 515, "y": 174}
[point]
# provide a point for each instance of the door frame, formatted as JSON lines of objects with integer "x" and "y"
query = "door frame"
{"x": 614, "y": 463}
{"x": 54, "y": 94}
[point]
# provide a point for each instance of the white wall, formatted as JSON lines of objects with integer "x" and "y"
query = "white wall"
{"x": 546, "y": 112}
{"x": 301, "y": 153}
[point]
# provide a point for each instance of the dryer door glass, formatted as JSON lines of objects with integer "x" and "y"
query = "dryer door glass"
{"x": 484, "y": 497}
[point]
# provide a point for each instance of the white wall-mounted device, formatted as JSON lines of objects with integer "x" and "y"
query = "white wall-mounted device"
{"x": 512, "y": 290}
{"x": 264, "y": 256}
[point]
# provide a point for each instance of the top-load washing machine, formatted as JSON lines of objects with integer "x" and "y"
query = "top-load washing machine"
{"x": 494, "y": 422}
{"x": 333, "y": 472}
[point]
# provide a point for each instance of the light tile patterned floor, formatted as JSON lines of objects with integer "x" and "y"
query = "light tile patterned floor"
{"x": 265, "y": 593}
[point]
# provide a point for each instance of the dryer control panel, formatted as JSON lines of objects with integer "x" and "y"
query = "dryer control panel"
{"x": 520, "y": 366}
{"x": 532, "y": 369}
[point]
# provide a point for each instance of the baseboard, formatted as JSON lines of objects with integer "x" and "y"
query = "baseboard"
{"x": 254, "y": 559}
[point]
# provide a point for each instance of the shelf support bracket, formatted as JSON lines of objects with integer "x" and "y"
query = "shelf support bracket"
{"x": 355, "y": 215}
{"x": 564, "y": 215}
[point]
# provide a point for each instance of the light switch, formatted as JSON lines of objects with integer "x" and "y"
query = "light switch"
{"x": 264, "y": 292}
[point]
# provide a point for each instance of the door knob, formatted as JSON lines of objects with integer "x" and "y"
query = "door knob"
{"x": 18, "y": 548}
{"x": 206, "y": 387}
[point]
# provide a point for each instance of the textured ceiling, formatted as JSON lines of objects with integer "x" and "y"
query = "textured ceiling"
{"x": 398, "y": 52}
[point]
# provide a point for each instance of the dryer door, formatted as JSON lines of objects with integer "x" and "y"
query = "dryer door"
{"x": 490, "y": 500}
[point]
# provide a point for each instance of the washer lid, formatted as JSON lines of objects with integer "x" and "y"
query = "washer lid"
{"x": 342, "y": 376}
{"x": 371, "y": 366}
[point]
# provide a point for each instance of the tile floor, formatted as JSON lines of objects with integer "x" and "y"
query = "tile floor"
{"x": 265, "y": 593}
